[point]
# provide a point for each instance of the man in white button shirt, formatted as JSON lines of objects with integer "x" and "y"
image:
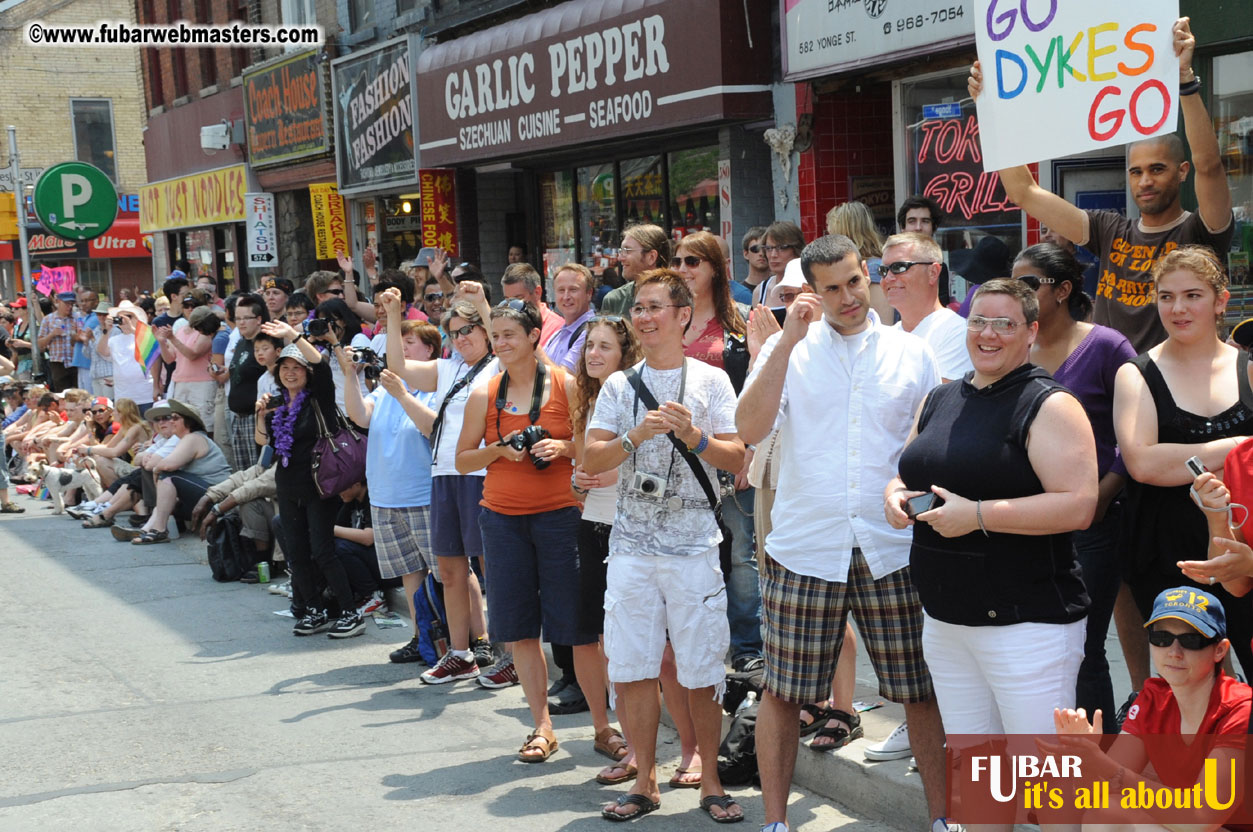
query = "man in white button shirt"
{"x": 910, "y": 275}
{"x": 831, "y": 550}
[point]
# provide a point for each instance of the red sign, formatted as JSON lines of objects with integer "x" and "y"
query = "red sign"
{"x": 950, "y": 171}
{"x": 123, "y": 239}
{"x": 439, "y": 208}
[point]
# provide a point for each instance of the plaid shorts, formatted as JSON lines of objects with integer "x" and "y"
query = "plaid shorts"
{"x": 243, "y": 444}
{"x": 803, "y": 627}
{"x": 402, "y": 540}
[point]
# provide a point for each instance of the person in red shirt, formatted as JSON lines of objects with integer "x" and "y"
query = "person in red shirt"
{"x": 1190, "y": 712}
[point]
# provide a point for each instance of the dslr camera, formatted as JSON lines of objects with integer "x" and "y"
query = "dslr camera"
{"x": 373, "y": 363}
{"x": 525, "y": 439}
{"x": 317, "y": 327}
{"x": 648, "y": 487}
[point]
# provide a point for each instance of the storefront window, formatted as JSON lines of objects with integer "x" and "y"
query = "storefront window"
{"x": 942, "y": 160}
{"x": 402, "y": 229}
{"x": 95, "y": 275}
{"x": 1233, "y": 118}
{"x": 556, "y": 200}
{"x": 643, "y": 191}
{"x": 694, "y": 190}
{"x": 598, "y": 216}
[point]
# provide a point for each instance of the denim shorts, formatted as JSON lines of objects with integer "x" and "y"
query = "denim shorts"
{"x": 532, "y": 565}
{"x": 455, "y": 516}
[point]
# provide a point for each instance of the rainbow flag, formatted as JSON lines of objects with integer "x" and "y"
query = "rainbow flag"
{"x": 147, "y": 351}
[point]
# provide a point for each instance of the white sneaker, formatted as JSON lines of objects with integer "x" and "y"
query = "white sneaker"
{"x": 80, "y": 511}
{"x": 946, "y": 825}
{"x": 894, "y": 747}
{"x": 281, "y": 589}
{"x": 374, "y": 603}
{"x": 913, "y": 763}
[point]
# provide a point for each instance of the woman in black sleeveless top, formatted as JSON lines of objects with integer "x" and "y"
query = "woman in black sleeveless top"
{"x": 1188, "y": 396}
{"x": 994, "y": 565}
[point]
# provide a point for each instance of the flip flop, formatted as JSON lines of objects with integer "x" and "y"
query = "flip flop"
{"x": 676, "y": 782}
{"x": 725, "y": 802}
{"x": 630, "y": 772}
{"x": 550, "y": 745}
{"x": 610, "y": 743}
{"x": 643, "y": 804}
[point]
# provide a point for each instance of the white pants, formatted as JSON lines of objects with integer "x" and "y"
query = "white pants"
{"x": 1002, "y": 680}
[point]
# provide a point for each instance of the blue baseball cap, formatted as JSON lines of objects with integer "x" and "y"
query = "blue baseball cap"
{"x": 1192, "y": 606}
{"x": 68, "y": 297}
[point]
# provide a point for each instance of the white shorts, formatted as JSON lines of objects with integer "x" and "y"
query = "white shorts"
{"x": 647, "y": 596}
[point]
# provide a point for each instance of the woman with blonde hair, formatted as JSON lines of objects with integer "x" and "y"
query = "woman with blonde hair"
{"x": 854, "y": 220}
{"x": 1191, "y": 395}
{"x": 112, "y": 456}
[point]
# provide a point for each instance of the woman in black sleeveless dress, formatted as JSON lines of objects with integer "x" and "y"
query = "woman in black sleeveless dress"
{"x": 1188, "y": 396}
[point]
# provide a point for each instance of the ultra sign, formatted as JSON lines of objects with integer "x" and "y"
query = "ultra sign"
{"x": 76, "y": 200}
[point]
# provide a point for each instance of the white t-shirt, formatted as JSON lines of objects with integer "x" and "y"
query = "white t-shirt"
{"x": 267, "y": 384}
{"x": 450, "y": 371}
{"x": 129, "y": 379}
{"x": 945, "y": 332}
{"x": 645, "y": 527}
{"x": 337, "y": 375}
{"x": 231, "y": 343}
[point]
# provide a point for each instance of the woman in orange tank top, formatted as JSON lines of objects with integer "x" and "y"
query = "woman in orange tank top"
{"x": 530, "y": 515}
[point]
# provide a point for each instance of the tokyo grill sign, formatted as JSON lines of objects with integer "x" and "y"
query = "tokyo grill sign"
{"x": 589, "y": 70}
{"x": 376, "y": 117}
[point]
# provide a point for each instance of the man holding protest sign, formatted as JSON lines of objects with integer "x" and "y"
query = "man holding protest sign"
{"x": 1157, "y": 168}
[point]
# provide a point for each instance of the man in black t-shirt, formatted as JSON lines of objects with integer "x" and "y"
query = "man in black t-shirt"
{"x": 241, "y": 397}
{"x": 1156, "y": 170}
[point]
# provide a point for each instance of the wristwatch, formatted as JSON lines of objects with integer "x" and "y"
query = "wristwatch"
{"x": 627, "y": 444}
{"x": 217, "y": 512}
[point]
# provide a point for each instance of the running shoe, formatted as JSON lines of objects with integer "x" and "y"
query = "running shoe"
{"x": 451, "y": 668}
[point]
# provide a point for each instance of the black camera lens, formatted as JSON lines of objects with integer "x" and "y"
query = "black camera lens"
{"x": 317, "y": 326}
{"x": 648, "y": 486}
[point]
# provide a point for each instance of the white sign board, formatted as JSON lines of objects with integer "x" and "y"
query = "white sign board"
{"x": 1067, "y": 76}
{"x": 262, "y": 231}
{"x": 29, "y": 177}
{"x": 824, "y": 36}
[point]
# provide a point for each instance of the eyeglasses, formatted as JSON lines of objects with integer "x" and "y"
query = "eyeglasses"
{"x": 1034, "y": 281}
{"x": 901, "y": 266}
{"x": 463, "y": 331}
{"x": 691, "y": 261}
{"x": 772, "y": 249}
{"x": 1001, "y": 326}
{"x": 652, "y": 309}
{"x": 339, "y": 292}
{"x": 164, "y": 418}
{"x": 1188, "y": 641}
{"x": 630, "y": 251}
{"x": 755, "y": 248}
{"x": 434, "y": 296}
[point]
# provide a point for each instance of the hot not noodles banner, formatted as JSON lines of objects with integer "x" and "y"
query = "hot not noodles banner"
{"x": 1068, "y": 76}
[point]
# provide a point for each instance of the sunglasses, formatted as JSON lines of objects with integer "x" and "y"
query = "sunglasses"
{"x": 339, "y": 292}
{"x": 1188, "y": 641}
{"x": 434, "y": 296}
{"x": 1034, "y": 281}
{"x": 100, "y": 410}
{"x": 463, "y": 331}
{"x": 512, "y": 303}
{"x": 691, "y": 261}
{"x": 755, "y": 248}
{"x": 901, "y": 266}
{"x": 164, "y": 418}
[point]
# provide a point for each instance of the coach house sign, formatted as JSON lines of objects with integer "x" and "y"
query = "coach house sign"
{"x": 552, "y": 79}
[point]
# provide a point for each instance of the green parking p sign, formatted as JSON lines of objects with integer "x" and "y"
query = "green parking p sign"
{"x": 75, "y": 201}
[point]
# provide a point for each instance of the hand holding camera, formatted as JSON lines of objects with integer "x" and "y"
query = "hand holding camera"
{"x": 374, "y": 363}
{"x": 523, "y": 443}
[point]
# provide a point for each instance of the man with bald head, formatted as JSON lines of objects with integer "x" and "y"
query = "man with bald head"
{"x": 1156, "y": 171}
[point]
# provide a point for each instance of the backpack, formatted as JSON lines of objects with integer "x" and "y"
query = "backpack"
{"x": 428, "y": 611}
{"x": 229, "y": 556}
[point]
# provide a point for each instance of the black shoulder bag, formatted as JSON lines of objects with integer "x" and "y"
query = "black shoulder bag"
{"x": 693, "y": 462}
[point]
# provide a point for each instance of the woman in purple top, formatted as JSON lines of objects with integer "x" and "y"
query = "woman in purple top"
{"x": 1085, "y": 358}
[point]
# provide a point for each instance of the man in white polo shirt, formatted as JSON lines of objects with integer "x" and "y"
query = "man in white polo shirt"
{"x": 910, "y": 275}
{"x": 831, "y": 551}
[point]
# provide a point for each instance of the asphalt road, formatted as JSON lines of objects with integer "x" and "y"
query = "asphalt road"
{"x": 138, "y": 694}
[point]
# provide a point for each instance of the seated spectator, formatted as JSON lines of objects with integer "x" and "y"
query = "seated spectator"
{"x": 179, "y": 480}
{"x": 126, "y": 492}
{"x": 354, "y": 546}
{"x": 112, "y": 457}
{"x": 1193, "y": 713}
{"x": 7, "y": 506}
{"x": 250, "y": 491}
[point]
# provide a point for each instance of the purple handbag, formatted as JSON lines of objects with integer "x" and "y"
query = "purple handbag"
{"x": 339, "y": 457}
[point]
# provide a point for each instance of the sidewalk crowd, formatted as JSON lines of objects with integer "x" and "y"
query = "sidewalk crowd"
{"x": 689, "y": 486}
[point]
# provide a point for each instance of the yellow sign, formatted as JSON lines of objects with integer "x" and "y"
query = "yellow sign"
{"x": 208, "y": 198}
{"x": 330, "y": 226}
{"x": 8, "y": 217}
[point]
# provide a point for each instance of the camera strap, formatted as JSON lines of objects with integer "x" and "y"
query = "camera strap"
{"x": 643, "y": 394}
{"x": 438, "y": 425}
{"x": 537, "y": 396}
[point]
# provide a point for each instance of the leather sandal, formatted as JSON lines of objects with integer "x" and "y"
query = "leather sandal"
{"x": 841, "y": 735}
{"x": 629, "y": 773}
{"x": 550, "y": 745}
{"x": 610, "y": 743}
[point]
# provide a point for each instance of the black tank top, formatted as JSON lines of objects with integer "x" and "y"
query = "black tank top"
{"x": 974, "y": 443}
{"x": 1161, "y": 524}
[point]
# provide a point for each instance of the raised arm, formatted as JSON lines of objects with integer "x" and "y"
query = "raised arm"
{"x": 420, "y": 375}
{"x": 763, "y": 395}
{"x": 1021, "y": 187}
{"x": 355, "y": 405}
{"x": 1212, "y": 194}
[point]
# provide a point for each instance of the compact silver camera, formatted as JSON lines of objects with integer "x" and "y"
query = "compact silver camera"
{"x": 648, "y": 487}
